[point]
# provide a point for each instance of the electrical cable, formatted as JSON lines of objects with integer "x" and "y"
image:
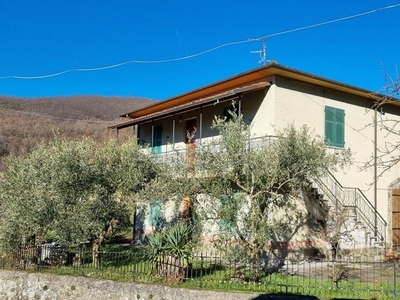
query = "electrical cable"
{"x": 200, "y": 53}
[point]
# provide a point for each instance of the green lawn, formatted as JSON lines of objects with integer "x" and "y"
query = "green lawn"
{"x": 130, "y": 264}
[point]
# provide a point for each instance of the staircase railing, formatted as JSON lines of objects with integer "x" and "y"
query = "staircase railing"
{"x": 340, "y": 196}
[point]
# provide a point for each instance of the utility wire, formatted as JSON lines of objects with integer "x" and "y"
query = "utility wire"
{"x": 328, "y": 22}
{"x": 203, "y": 52}
{"x": 126, "y": 63}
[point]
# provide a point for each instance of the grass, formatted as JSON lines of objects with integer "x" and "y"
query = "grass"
{"x": 281, "y": 283}
{"x": 131, "y": 265}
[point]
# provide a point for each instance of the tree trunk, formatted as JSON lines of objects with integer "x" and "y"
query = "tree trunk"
{"x": 172, "y": 269}
{"x": 96, "y": 253}
{"x": 108, "y": 229}
{"x": 134, "y": 223}
{"x": 255, "y": 262}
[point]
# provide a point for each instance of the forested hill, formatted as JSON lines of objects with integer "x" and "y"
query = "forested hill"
{"x": 25, "y": 122}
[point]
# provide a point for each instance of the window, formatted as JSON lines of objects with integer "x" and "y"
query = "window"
{"x": 157, "y": 139}
{"x": 155, "y": 214}
{"x": 228, "y": 111}
{"x": 227, "y": 210}
{"x": 334, "y": 126}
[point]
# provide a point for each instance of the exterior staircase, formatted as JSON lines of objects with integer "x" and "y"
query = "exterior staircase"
{"x": 369, "y": 228}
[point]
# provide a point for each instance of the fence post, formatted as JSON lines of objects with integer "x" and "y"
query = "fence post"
{"x": 287, "y": 274}
{"x": 201, "y": 269}
{"x": 394, "y": 281}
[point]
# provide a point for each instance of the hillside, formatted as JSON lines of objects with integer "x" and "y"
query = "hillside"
{"x": 25, "y": 122}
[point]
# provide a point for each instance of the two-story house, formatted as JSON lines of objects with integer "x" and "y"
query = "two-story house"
{"x": 269, "y": 98}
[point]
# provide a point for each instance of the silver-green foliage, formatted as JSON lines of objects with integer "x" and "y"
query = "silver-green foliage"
{"x": 74, "y": 191}
{"x": 249, "y": 190}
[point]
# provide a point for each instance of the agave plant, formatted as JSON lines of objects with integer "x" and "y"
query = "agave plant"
{"x": 171, "y": 250}
{"x": 155, "y": 245}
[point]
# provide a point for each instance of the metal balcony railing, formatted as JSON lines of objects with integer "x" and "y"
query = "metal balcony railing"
{"x": 179, "y": 152}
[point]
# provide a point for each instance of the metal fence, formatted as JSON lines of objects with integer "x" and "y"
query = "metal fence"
{"x": 331, "y": 279}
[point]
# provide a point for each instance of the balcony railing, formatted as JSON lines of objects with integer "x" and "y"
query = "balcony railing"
{"x": 180, "y": 150}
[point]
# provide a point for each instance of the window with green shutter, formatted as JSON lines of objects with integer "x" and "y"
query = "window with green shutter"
{"x": 155, "y": 213}
{"x": 157, "y": 140}
{"x": 334, "y": 126}
{"x": 228, "y": 208}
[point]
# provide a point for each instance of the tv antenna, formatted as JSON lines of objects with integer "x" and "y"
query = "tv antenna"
{"x": 263, "y": 52}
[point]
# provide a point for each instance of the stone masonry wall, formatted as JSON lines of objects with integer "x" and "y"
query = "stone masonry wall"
{"x": 17, "y": 285}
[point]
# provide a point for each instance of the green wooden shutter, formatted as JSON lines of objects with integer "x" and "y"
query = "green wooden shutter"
{"x": 155, "y": 213}
{"x": 334, "y": 126}
{"x": 339, "y": 126}
{"x": 157, "y": 139}
{"x": 329, "y": 124}
{"x": 228, "y": 205}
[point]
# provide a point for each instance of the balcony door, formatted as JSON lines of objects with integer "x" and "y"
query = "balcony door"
{"x": 190, "y": 139}
{"x": 157, "y": 139}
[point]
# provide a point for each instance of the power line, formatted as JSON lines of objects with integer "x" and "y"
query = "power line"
{"x": 330, "y": 22}
{"x": 126, "y": 63}
{"x": 203, "y": 52}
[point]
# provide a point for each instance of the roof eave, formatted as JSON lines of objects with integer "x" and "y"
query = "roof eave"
{"x": 224, "y": 96}
{"x": 257, "y": 74}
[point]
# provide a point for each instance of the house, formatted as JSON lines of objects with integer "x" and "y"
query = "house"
{"x": 272, "y": 96}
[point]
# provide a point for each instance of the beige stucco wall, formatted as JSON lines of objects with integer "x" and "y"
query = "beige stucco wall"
{"x": 301, "y": 103}
{"x": 288, "y": 101}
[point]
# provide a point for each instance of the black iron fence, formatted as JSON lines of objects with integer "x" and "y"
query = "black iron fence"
{"x": 365, "y": 279}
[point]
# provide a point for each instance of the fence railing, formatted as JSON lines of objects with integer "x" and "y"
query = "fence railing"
{"x": 275, "y": 273}
{"x": 339, "y": 196}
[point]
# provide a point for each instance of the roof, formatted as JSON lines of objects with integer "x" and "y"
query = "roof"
{"x": 230, "y": 87}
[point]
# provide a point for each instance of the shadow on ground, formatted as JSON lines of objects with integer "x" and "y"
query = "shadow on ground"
{"x": 285, "y": 297}
{"x": 294, "y": 297}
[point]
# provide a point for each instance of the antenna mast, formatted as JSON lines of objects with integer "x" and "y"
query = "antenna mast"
{"x": 263, "y": 52}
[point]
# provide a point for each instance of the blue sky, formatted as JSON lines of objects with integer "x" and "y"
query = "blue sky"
{"x": 46, "y": 37}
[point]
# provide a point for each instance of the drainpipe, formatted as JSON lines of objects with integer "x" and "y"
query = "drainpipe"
{"x": 173, "y": 132}
{"x": 240, "y": 105}
{"x": 376, "y": 170}
{"x": 152, "y": 134}
{"x": 201, "y": 124}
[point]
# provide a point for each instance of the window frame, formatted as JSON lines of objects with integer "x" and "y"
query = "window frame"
{"x": 334, "y": 126}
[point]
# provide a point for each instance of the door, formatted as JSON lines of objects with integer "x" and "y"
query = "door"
{"x": 396, "y": 219}
{"x": 157, "y": 139}
{"x": 190, "y": 138}
{"x": 190, "y": 131}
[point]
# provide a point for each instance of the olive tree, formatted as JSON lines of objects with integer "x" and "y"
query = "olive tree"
{"x": 250, "y": 191}
{"x": 74, "y": 191}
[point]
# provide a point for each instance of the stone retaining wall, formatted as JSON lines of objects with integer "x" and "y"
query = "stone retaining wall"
{"x": 18, "y": 285}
